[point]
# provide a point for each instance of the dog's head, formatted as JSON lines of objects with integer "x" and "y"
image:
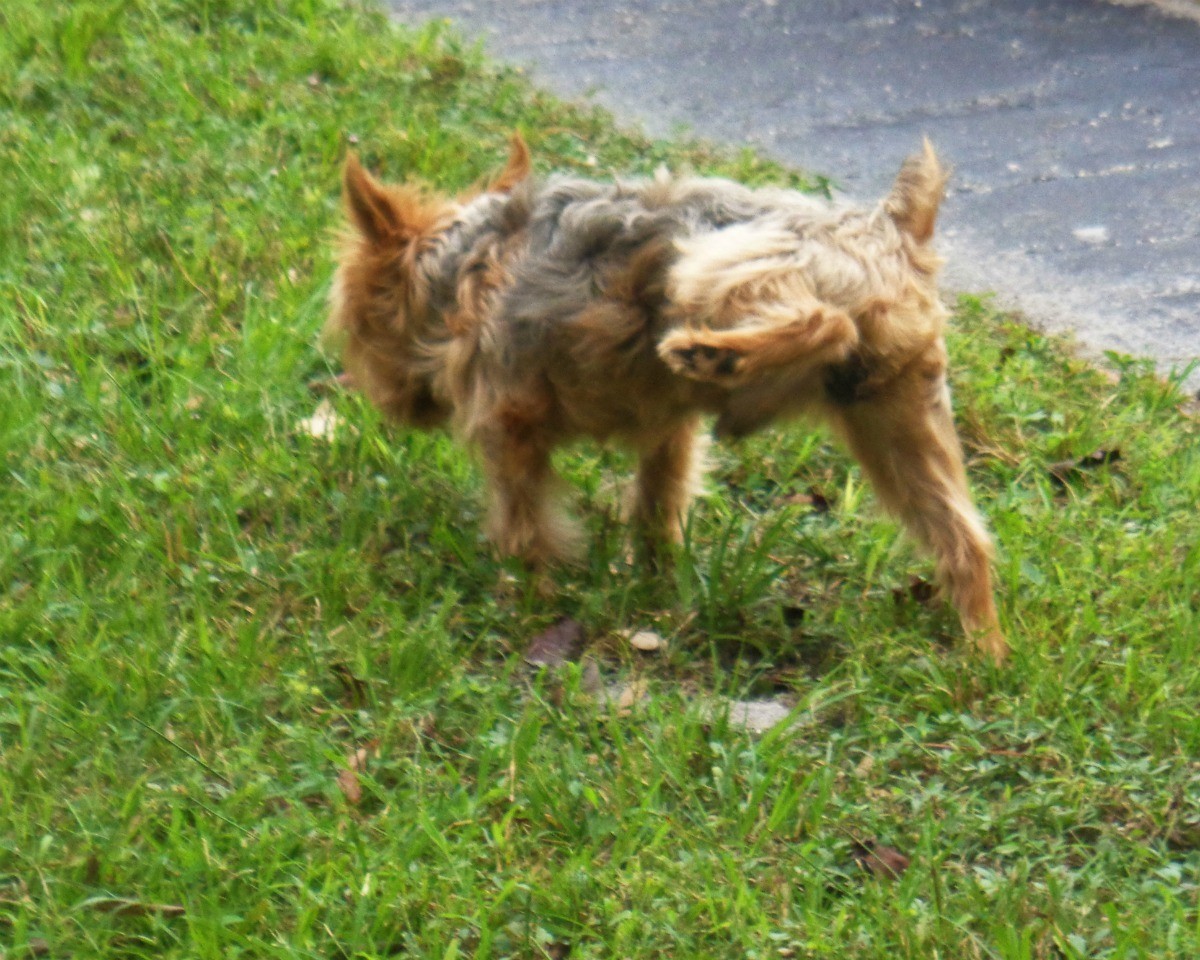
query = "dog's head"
{"x": 380, "y": 301}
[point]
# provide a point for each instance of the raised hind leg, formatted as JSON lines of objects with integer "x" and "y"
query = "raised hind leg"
{"x": 791, "y": 338}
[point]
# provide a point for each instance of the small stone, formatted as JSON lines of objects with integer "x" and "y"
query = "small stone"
{"x": 1093, "y": 235}
{"x": 630, "y": 694}
{"x": 591, "y": 681}
{"x": 647, "y": 641}
{"x": 758, "y": 716}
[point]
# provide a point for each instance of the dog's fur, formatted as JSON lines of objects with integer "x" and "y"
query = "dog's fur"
{"x": 528, "y": 313}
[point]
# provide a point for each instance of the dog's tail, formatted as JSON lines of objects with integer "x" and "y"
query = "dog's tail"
{"x": 917, "y": 194}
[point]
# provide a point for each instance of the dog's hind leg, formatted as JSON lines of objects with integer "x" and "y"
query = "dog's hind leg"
{"x": 780, "y": 337}
{"x": 905, "y": 441}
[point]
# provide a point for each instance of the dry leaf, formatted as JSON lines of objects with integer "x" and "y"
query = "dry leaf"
{"x": 561, "y": 643}
{"x": 323, "y": 424}
{"x": 813, "y": 498}
{"x": 919, "y": 590}
{"x": 348, "y": 783}
{"x": 355, "y": 689}
{"x": 358, "y": 759}
{"x": 820, "y": 503}
{"x": 880, "y": 860}
{"x": 356, "y": 763}
{"x": 1066, "y": 470}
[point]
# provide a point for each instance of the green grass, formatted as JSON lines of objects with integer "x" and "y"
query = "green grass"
{"x": 204, "y": 612}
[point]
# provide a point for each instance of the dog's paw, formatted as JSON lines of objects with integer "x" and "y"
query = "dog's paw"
{"x": 690, "y": 355}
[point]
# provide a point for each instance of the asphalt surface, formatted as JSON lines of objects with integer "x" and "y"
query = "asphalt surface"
{"x": 1073, "y": 126}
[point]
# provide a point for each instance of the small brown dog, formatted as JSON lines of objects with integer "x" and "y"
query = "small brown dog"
{"x": 529, "y": 313}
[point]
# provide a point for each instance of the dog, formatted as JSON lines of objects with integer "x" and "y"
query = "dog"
{"x": 529, "y": 312}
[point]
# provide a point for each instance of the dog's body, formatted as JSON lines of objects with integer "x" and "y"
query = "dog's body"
{"x": 533, "y": 313}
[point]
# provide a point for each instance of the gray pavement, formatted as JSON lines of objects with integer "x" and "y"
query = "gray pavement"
{"x": 1073, "y": 125}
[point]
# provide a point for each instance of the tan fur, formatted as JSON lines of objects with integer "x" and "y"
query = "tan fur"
{"x": 519, "y": 166}
{"x": 528, "y": 314}
{"x": 917, "y": 195}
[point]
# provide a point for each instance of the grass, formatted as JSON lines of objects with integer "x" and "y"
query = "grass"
{"x": 262, "y": 694}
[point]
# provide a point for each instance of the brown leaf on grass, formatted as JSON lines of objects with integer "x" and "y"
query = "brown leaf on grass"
{"x": 354, "y": 688}
{"x": 561, "y": 643}
{"x": 918, "y": 590}
{"x": 880, "y": 860}
{"x": 358, "y": 759}
{"x": 349, "y": 784}
{"x": 1098, "y": 458}
{"x": 813, "y": 498}
{"x": 37, "y": 947}
{"x": 134, "y": 908}
{"x": 1066, "y": 470}
{"x": 347, "y": 778}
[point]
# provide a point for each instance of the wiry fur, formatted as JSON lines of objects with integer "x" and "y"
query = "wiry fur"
{"x": 531, "y": 312}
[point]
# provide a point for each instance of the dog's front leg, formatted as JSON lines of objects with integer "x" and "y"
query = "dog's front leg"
{"x": 907, "y": 444}
{"x": 525, "y": 518}
{"x": 668, "y": 477}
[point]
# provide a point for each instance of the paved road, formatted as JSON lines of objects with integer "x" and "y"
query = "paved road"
{"x": 1073, "y": 125}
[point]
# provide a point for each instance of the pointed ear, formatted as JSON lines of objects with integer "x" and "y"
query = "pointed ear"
{"x": 517, "y": 169}
{"x": 368, "y": 203}
{"x": 917, "y": 194}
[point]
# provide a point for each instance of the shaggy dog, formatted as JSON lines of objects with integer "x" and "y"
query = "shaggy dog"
{"x": 532, "y": 312}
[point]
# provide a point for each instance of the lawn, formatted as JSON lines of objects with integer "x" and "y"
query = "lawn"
{"x": 263, "y": 690}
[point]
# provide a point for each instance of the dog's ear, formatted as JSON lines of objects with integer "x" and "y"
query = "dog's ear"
{"x": 369, "y": 204}
{"x": 917, "y": 194}
{"x": 517, "y": 169}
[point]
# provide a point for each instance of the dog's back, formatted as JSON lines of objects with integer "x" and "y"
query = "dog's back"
{"x": 606, "y": 274}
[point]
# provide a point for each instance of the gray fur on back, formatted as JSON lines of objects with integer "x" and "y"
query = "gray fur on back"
{"x": 578, "y": 233}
